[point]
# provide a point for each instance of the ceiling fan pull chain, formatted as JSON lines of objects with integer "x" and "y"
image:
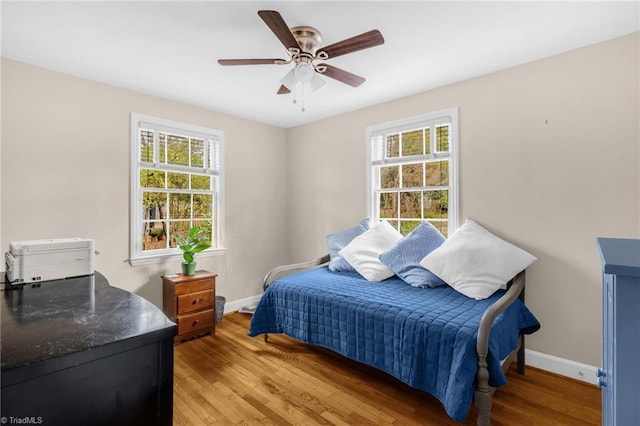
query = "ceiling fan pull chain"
{"x": 302, "y": 98}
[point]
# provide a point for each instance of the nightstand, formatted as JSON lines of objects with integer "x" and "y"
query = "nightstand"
{"x": 189, "y": 301}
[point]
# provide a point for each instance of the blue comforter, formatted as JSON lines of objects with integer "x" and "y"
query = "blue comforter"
{"x": 424, "y": 337}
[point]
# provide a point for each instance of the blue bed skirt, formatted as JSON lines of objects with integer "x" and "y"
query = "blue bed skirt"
{"x": 425, "y": 337}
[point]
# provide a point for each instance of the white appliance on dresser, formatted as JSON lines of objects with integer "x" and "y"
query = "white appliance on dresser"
{"x": 45, "y": 260}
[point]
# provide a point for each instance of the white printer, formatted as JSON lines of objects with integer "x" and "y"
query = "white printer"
{"x": 45, "y": 260}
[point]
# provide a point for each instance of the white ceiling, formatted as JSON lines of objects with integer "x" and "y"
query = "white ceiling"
{"x": 170, "y": 49}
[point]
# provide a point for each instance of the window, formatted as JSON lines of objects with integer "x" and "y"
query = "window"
{"x": 176, "y": 176}
{"x": 412, "y": 171}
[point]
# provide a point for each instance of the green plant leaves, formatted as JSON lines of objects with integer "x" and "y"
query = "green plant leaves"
{"x": 195, "y": 242}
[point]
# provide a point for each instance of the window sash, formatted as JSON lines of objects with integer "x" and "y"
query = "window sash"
{"x": 378, "y": 136}
{"x": 211, "y": 151}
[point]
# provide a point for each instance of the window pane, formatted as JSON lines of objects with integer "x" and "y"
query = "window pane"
{"x": 206, "y": 226}
{"x": 438, "y": 173}
{"x": 410, "y": 204}
{"x": 412, "y": 143}
{"x": 154, "y": 205}
{"x": 154, "y": 227}
{"x": 389, "y": 205}
{"x": 200, "y": 182}
{"x": 162, "y": 149}
{"x": 202, "y": 204}
{"x": 179, "y": 206}
{"x": 389, "y": 177}
{"x": 181, "y": 228}
{"x": 214, "y": 155}
{"x": 146, "y": 145}
{"x": 442, "y": 138}
{"x": 412, "y": 175}
{"x": 154, "y": 236}
{"x": 441, "y": 225}
{"x": 151, "y": 178}
{"x": 197, "y": 153}
{"x": 393, "y": 223}
{"x": 393, "y": 146}
{"x": 435, "y": 204}
{"x": 178, "y": 180}
{"x": 177, "y": 150}
{"x": 406, "y": 226}
{"x": 427, "y": 140}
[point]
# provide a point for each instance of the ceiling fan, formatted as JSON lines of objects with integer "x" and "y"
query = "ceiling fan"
{"x": 303, "y": 45}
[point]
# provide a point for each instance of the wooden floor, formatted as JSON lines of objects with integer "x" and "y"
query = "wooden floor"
{"x": 231, "y": 378}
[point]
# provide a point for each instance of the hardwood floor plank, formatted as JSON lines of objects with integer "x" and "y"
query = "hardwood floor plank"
{"x": 232, "y": 405}
{"x": 233, "y": 379}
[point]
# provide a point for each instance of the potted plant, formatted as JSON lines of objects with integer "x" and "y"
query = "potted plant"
{"x": 195, "y": 242}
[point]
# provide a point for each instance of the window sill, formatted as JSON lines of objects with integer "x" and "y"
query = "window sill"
{"x": 148, "y": 260}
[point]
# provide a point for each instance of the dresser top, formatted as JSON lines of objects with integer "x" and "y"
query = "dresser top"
{"x": 51, "y": 319}
{"x": 620, "y": 256}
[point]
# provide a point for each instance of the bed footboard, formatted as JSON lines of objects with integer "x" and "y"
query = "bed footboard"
{"x": 484, "y": 392}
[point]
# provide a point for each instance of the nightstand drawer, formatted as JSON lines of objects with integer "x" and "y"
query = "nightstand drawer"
{"x": 191, "y": 322}
{"x": 194, "y": 286}
{"x": 195, "y": 302}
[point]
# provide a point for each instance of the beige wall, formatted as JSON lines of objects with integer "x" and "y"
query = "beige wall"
{"x": 549, "y": 159}
{"x": 65, "y": 173}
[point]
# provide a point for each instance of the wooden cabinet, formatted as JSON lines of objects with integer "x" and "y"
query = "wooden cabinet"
{"x": 619, "y": 377}
{"x": 189, "y": 301}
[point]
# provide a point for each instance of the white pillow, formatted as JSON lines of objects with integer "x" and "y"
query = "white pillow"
{"x": 475, "y": 262}
{"x": 363, "y": 251}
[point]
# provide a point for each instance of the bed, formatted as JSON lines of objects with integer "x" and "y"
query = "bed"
{"x": 433, "y": 339}
{"x": 454, "y": 346}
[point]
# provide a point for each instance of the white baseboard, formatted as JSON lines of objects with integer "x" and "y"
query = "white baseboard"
{"x": 564, "y": 367}
{"x": 237, "y": 304}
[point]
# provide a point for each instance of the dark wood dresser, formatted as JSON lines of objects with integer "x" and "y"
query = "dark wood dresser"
{"x": 81, "y": 352}
{"x": 189, "y": 300}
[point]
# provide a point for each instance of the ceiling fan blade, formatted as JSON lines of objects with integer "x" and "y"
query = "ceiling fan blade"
{"x": 250, "y": 61}
{"x": 274, "y": 21}
{"x": 283, "y": 90}
{"x": 363, "y": 41}
{"x": 341, "y": 75}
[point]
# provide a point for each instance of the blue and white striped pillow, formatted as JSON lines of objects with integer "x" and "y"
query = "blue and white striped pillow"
{"x": 404, "y": 258}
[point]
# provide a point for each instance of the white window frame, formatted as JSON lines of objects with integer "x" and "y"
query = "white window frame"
{"x": 139, "y": 121}
{"x": 377, "y": 158}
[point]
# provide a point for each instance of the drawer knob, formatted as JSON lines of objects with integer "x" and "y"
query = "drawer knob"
{"x": 196, "y": 322}
{"x": 195, "y": 302}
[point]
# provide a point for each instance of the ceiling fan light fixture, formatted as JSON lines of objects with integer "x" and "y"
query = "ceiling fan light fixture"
{"x": 289, "y": 80}
{"x": 304, "y": 72}
{"x": 316, "y": 82}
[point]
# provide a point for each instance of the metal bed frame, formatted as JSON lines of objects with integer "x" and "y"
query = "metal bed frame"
{"x": 484, "y": 392}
